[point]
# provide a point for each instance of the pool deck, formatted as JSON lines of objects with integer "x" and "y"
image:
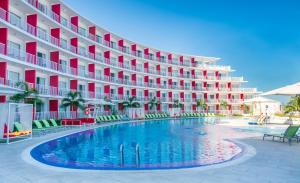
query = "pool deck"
{"x": 266, "y": 161}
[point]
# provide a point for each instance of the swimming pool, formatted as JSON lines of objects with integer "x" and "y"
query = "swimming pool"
{"x": 157, "y": 144}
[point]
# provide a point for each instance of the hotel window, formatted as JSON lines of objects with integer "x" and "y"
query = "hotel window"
{"x": 41, "y": 81}
{"x": 42, "y": 33}
{"x": 63, "y": 43}
{"x": 82, "y": 31}
{"x": 81, "y": 70}
{"x": 81, "y": 88}
{"x": 98, "y": 39}
{"x": 62, "y": 85}
{"x": 139, "y": 80}
{"x": 99, "y": 74}
{"x": 63, "y": 21}
{"x": 63, "y": 65}
{"x": 14, "y": 19}
{"x": 127, "y": 93}
{"x": 112, "y": 91}
{"x": 98, "y": 90}
{"x": 151, "y": 56}
{"x": 113, "y": 44}
{"x": 140, "y": 94}
{"x": 139, "y": 53}
{"x": 13, "y": 76}
{"x": 14, "y": 49}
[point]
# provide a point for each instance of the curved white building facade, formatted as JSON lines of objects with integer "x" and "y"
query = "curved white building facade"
{"x": 55, "y": 50}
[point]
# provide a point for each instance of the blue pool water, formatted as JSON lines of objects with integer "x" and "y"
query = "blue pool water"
{"x": 162, "y": 144}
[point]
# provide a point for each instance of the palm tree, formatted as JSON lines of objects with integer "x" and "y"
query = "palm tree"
{"x": 202, "y": 104}
{"x": 28, "y": 95}
{"x": 108, "y": 100}
{"x": 293, "y": 105}
{"x": 73, "y": 100}
{"x": 131, "y": 103}
{"x": 153, "y": 103}
{"x": 223, "y": 104}
{"x": 177, "y": 104}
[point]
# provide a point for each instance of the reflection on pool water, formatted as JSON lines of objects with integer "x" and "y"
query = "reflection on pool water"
{"x": 162, "y": 144}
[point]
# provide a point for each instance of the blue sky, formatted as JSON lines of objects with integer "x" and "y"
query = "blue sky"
{"x": 259, "y": 39}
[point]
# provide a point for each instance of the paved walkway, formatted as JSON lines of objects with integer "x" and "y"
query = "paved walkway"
{"x": 273, "y": 162}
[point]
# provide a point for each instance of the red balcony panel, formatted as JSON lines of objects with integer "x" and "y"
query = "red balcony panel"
{"x": 133, "y": 64}
{"x": 54, "y": 80}
{"x": 3, "y": 40}
{"x": 30, "y": 77}
{"x": 146, "y": 107}
{"x": 205, "y": 73}
{"x": 146, "y": 67}
{"x": 193, "y": 62}
{"x": 4, "y": 4}
{"x": 194, "y": 96}
{"x": 146, "y": 80}
{"x": 205, "y": 85}
{"x": 205, "y": 96}
{"x": 133, "y": 92}
{"x": 107, "y": 71}
{"x": 107, "y": 39}
{"x": 181, "y": 84}
{"x": 158, "y": 82}
{"x": 107, "y": 91}
{"x": 121, "y": 76}
{"x": 193, "y": 73}
{"x": 121, "y": 91}
{"x": 54, "y": 57}
{"x": 170, "y": 71}
{"x": 133, "y": 79}
{"x": 74, "y": 44}
{"x": 193, "y": 84}
{"x": 170, "y": 106}
{"x": 133, "y": 49}
{"x": 91, "y": 89}
{"x": 121, "y": 45}
{"x": 32, "y": 21}
{"x": 217, "y": 85}
{"x": 182, "y": 96}
{"x": 217, "y": 74}
{"x": 170, "y": 95}
{"x": 217, "y": 96}
{"x": 53, "y": 107}
{"x": 91, "y": 68}
{"x": 218, "y": 107}
{"x": 158, "y": 94}
{"x": 158, "y": 55}
{"x": 146, "y": 94}
{"x": 181, "y": 60}
{"x": 158, "y": 108}
{"x": 242, "y": 96}
{"x": 3, "y": 99}
{"x": 92, "y": 32}
{"x": 146, "y": 52}
{"x": 92, "y": 50}
{"x": 74, "y": 23}
{"x": 73, "y": 84}
{"x": 31, "y": 48}
{"x": 170, "y": 58}
{"x": 121, "y": 61}
{"x": 181, "y": 72}
{"x": 55, "y": 36}
{"x": 56, "y": 9}
{"x": 229, "y": 96}
{"x": 3, "y": 71}
{"x": 74, "y": 64}
{"x": 229, "y": 86}
{"x": 107, "y": 57}
{"x": 158, "y": 69}
{"x": 170, "y": 83}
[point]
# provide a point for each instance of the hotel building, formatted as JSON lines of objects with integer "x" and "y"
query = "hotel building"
{"x": 55, "y": 50}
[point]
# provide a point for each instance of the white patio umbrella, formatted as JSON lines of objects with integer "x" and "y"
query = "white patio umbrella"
{"x": 289, "y": 90}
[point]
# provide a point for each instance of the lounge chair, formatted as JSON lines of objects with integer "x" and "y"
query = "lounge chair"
{"x": 289, "y": 134}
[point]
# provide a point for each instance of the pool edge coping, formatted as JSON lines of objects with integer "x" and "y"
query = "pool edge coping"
{"x": 248, "y": 152}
